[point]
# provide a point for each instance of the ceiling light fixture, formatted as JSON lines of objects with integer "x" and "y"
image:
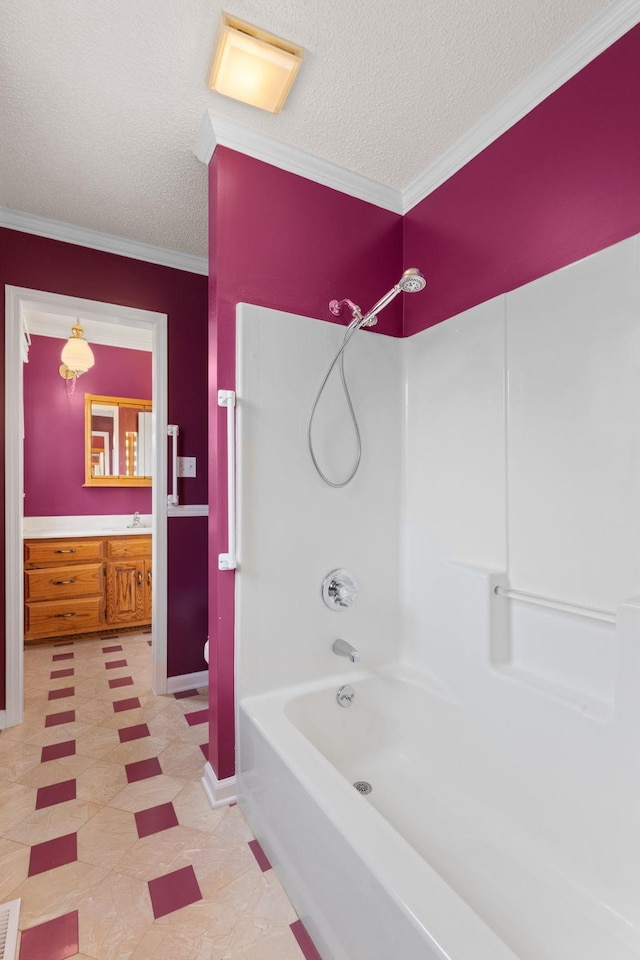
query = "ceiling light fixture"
{"x": 77, "y": 356}
{"x": 252, "y": 65}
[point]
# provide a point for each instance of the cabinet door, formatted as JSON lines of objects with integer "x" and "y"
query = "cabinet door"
{"x": 148, "y": 586}
{"x": 125, "y": 591}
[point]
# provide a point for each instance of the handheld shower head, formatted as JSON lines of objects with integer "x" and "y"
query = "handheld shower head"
{"x": 412, "y": 281}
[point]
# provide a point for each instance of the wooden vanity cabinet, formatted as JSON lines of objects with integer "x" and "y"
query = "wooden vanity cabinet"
{"x": 86, "y": 584}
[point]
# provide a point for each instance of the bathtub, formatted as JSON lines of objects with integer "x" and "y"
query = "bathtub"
{"x": 435, "y": 862}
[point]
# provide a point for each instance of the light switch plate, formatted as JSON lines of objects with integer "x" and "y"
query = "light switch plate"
{"x": 186, "y": 466}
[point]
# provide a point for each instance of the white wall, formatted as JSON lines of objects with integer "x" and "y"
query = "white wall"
{"x": 293, "y": 529}
{"x": 523, "y": 458}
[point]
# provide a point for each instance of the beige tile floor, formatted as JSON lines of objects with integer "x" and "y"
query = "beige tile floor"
{"x": 243, "y": 913}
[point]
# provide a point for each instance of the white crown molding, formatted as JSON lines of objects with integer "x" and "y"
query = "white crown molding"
{"x": 607, "y": 27}
{"x": 94, "y": 240}
{"x": 214, "y": 130}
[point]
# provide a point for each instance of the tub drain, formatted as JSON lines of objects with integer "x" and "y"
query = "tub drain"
{"x": 363, "y": 787}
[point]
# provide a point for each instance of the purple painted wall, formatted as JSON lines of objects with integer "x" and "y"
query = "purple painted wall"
{"x": 42, "y": 264}
{"x": 280, "y": 241}
{"x": 558, "y": 186}
{"x": 54, "y": 430}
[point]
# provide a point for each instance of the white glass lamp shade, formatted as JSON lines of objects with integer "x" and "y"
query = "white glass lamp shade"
{"x": 77, "y": 355}
{"x": 252, "y": 65}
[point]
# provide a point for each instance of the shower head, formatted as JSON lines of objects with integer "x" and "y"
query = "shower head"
{"x": 412, "y": 281}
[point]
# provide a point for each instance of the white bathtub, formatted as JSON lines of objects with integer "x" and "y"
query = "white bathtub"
{"x": 436, "y": 862}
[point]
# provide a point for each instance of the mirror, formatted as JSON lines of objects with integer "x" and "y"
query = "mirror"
{"x": 117, "y": 441}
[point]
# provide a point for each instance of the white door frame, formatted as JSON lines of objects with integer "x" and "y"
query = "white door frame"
{"x": 17, "y": 300}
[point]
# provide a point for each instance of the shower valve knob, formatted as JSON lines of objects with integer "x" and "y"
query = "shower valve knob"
{"x": 339, "y": 590}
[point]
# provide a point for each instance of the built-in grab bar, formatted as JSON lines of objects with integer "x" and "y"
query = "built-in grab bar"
{"x": 227, "y": 561}
{"x": 594, "y": 613}
{"x": 172, "y": 431}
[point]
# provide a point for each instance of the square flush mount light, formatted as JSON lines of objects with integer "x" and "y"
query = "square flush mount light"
{"x": 252, "y": 65}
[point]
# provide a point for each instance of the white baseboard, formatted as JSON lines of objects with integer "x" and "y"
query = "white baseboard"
{"x": 188, "y": 681}
{"x": 219, "y": 792}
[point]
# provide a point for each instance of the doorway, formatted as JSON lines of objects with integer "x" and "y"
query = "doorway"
{"x": 21, "y": 302}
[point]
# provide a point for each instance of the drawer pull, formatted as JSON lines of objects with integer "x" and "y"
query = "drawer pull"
{"x": 139, "y": 578}
{"x": 149, "y": 577}
{"x": 66, "y": 550}
{"x": 64, "y": 614}
{"x": 59, "y": 583}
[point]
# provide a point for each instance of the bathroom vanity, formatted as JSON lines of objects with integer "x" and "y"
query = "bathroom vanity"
{"x": 85, "y": 584}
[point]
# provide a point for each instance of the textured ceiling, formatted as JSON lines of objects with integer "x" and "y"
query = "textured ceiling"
{"x": 101, "y": 99}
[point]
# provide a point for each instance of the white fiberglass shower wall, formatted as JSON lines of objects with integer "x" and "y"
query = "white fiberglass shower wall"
{"x": 522, "y": 470}
{"x": 293, "y": 529}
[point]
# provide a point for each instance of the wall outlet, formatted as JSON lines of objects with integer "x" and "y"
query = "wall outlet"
{"x": 186, "y": 466}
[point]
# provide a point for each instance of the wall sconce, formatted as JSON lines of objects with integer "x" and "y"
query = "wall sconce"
{"x": 77, "y": 356}
{"x": 252, "y": 65}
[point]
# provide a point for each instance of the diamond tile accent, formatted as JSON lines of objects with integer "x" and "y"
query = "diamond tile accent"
{"x": 113, "y": 664}
{"x": 62, "y": 692}
{"x": 67, "y": 672}
{"x": 156, "y": 819}
{"x": 260, "y": 855}
{"x": 173, "y": 891}
{"x": 56, "y": 939}
{"x": 197, "y": 716}
{"x": 54, "y": 719}
{"x": 133, "y": 733}
{"x": 142, "y": 769}
{"x": 62, "y": 656}
{"x": 55, "y": 793}
{"x": 304, "y": 941}
{"x": 115, "y": 649}
{"x": 181, "y": 694}
{"x": 53, "y": 853}
{"x": 131, "y": 704}
{"x": 58, "y": 750}
{"x": 120, "y": 682}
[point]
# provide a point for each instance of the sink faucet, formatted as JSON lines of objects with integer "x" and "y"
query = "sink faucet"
{"x": 136, "y": 522}
{"x": 343, "y": 649}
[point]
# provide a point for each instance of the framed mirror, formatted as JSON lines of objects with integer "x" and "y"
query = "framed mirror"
{"x": 117, "y": 441}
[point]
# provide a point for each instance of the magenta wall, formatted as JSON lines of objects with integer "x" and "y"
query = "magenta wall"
{"x": 559, "y": 185}
{"x": 54, "y": 430}
{"x": 284, "y": 242}
{"x": 41, "y": 264}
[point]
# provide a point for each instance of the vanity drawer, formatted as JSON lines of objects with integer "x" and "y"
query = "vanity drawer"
{"x": 40, "y": 552}
{"x": 50, "y": 618}
{"x": 132, "y": 546}
{"x": 58, "y": 583}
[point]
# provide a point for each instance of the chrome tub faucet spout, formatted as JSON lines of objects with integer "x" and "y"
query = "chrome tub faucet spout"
{"x": 136, "y": 522}
{"x": 343, "y": 649}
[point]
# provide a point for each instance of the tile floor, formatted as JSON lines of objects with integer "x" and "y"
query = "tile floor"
{"x": 105, "y": 832}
